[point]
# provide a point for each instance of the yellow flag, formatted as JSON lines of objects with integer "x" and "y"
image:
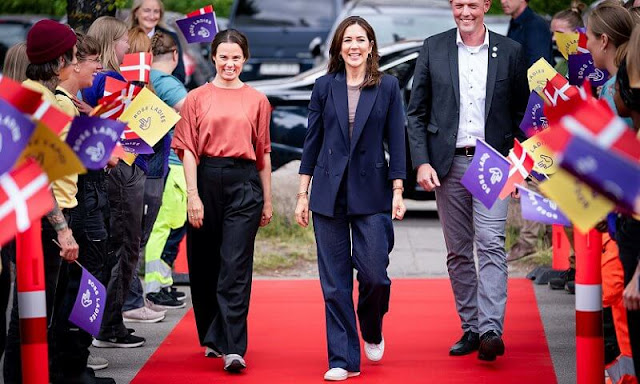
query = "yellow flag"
{"x": 584, "y": 207}
{"x": 538, "y": 74}
{"x": 55, "y": 157}
{"x": 149, "y": 117}
{"x": 543, "y": 157}
{"x": 567, "y": 43}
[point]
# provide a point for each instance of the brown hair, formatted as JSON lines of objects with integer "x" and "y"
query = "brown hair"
{"x": 162, "y": 43}
{"x": 16, "y": 62}
{"x": 616, "y": 23}
{"x": 572, "y": 15}
{"x": 107, "y": 31}
{"x": 633, "y": 59}
{"x": 139, "y": 41}
{"x": 373, "y": 76}
{"x": 230, "y": 36}
{"x": 87, "y": 46}
{"x": 132, "y": 21}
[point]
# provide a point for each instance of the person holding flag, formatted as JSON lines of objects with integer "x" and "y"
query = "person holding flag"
{"x": 486, "y": 100}
{"x": 149, "y": 15}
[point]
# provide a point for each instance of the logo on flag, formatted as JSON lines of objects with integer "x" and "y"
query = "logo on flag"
{"x": 605, "y": 171}
{"x": 90, "y": 302}
{"x": 581, "y": 68}
{"x": 93, "y": 138}
{"x": 521, "y": 165}
{"x": 485, "y": 176}
{"x": 136, "y": 66}
{"x": 534, "y": 119}
{"x": 536, "y": 207}
{"x": 15, "y": 131}
{"x": 538, "y": 75}
{"x": 567, "y": 43}
{"x": 543, "y": 158}
{"x": 24, "y": 197}
{"x": 198, "y": 28}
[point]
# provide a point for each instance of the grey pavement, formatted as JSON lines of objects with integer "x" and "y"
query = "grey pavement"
{"x": 419, "y": 252}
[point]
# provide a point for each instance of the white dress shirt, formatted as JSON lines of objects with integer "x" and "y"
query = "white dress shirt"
{"x": 472, "y": 73}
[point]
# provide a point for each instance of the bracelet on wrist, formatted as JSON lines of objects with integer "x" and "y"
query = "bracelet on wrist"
{"x": 302, "y": 193}
{"x": 398, "y": 188}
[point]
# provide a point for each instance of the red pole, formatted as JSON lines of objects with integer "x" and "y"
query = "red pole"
{"x": 32, "y": 305}
{"x": 589, "y": 333}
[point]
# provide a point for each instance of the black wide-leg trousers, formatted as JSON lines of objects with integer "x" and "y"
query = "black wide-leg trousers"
{"x": 220, "y": 253}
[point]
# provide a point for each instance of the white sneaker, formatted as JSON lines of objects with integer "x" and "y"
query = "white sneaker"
{"x": 152, "y": 306}
{"x": 374, "y": 352}
{"x": 142, "y": 315}
{"x": 339, "y": 374}
{"x": 97, "y": 363}
{"x": 234, "y": 363}
{"x": 210, "y": 352}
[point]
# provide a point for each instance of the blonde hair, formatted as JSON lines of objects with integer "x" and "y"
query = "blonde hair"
{"x": 139, "y": 41}
{"x": 16, "y": 62}
{"x": 132, "y": 20}
{"x": 107, "y": 31}
{"x": 611, "y": 19}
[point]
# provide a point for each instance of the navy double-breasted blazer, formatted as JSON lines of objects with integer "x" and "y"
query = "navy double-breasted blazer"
{"x": 329, "y": 155}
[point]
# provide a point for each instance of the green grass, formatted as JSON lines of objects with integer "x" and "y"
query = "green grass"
{"x": 283, "y": 245}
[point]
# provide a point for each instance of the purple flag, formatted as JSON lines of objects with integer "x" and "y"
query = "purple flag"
{"x": 487, "y": 174}
{"x": 534, "y": 119}
{"x": 137, "y": 146}
{"x": 605, "y": 171}
{"x": 536, "y": 207}
{"x": 15, "y": 131}
{"x": 581, "y": 67}
{"x": 199, "y": 28}
{"x": 93, "y": 138}
{"x": 90, "y": 303}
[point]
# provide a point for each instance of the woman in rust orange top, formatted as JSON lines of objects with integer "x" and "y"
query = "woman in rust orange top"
{"x": 223, "y": 141}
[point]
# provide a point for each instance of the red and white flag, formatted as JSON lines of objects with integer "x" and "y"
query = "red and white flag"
{"x": 558, "y": 89}
{"x": 24, "y": 197}
{"x": 112, "y": 106}
{"x": 31, "y": 103}
{"x": 136, "y": 66}
{"x": 520, "y": 168}
{"x": 582, "y": 43}
{"x": 201, "y": 11}
{"x": 113, "y": 85}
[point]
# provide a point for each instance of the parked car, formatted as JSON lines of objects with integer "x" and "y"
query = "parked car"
{"x": 396, "y": 20}
{"x": 13, "y": 30}
{"x": 279, "y": 33}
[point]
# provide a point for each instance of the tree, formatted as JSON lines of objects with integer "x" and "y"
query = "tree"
{"x": 81, "y": 13}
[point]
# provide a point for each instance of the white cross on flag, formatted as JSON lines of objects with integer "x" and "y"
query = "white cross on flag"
{"x": 24, "y": 197}
{"x": 201, "y": 11}
{"x": 521, "y": 166}
{"x": 111, "y": 106}
{"x": 113, "y": 85}
{"x": 31, "y": 103}
{"x": 136, "y": 66}
{"x": 558, "y": 88}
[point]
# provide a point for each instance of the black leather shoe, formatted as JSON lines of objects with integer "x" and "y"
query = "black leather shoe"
{"x": 491, "y": 345}
{"x": 469, "y": 342}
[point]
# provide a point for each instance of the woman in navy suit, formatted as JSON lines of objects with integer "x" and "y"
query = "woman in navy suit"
{"x": 353, "y": 111}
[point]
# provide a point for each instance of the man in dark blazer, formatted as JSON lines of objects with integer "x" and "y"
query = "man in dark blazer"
{"x": 469, "y": 84}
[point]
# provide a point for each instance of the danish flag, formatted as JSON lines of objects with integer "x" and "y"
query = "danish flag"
{"x": 111, "y": 106}
{"x": 594, "y": 121}
{"x": 113, "y": 85}
{"x": 24, "y": 197}
{"x": 201, "y": 11}
{"x": 521, "y": 166}
{"x": 558, "y": 88}
{"x": 136, "y": 66}
{"x": 31, "y": 103}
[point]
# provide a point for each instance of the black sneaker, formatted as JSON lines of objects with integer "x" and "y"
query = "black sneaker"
{"x": 163, "y": 300}
{"x": 129, "y": 341}
{"x": 173, "y": 292}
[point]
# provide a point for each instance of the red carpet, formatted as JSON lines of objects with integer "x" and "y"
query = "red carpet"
{"x": 287, "y": 341}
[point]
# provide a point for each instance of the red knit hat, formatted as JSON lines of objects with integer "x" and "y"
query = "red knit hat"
{"x": 48, "y": 40}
